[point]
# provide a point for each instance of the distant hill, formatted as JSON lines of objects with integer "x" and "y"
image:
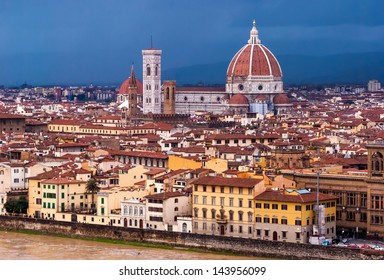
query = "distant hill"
{"x": 354, "y": 68}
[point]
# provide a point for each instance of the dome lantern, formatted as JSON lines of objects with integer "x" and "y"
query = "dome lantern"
{"x": 254, "y": 38}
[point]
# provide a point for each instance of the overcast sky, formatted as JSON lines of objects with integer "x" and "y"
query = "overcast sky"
{"x": 72, "y": 41}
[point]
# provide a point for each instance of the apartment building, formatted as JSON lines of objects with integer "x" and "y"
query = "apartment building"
{"x": 225, "y": 206}
{"x": 290, "y": 216}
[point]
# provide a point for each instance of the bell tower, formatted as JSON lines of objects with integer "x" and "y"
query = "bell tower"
{"x": 151, "y": 81}
{"x": 169, "y": 97}
{"x": 132, "y": 94}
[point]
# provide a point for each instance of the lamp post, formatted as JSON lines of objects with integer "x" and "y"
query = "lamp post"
{"x": 319, "y": 171}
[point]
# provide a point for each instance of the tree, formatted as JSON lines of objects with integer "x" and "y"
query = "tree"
{"x": 19, "y": 206}
{"x": 92, "y": 187}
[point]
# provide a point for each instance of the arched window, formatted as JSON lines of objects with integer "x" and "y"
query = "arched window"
{"x": 231, "y": 215}
{"x": 240, "y": 213}
{"x": 130, "y": 210}
{"x": 184, "y": 227}
{"x": 156, "y": 71}
{"x": 148, "y": 70}
{"x": 125, "y": 210}
{"x": 377, "y": 162}
{"x": 196, "y": 212}
{"x": 258, "y": 218}
{"x": 176, "y": 209}
{"x": 136, "y": 211}
{"x": 204, "y": 213}
{"x": 141, "y": 211}
{"x": 250, "y": 216}
{"x": 130, "y": 222}
{"x": 266, "y": 219}
{"x": 213, "y": 211}
{"x": 167, "y": 94}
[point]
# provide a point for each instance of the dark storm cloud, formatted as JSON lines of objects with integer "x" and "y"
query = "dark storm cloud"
{"x": 96, "y": 41}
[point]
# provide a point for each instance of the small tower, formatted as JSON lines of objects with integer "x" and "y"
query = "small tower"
{"x": 169, "y": 97}
{"x": 132, "y": 94}
{"x": 151, "y": 81}
{"x": 375, "y": 159}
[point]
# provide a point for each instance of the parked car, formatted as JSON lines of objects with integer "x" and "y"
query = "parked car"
{"x": 353, "y": 246}
{"x": 377, "y": 247}
{"x": 365, "y": 246}
{"x": 326, "y": 243}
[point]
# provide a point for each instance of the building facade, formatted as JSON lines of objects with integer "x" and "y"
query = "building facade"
{"x": 289, "y": 216}
{"x": 225, "y": 206}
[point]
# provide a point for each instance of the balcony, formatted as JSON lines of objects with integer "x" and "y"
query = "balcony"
{"x": 221, "y": 219}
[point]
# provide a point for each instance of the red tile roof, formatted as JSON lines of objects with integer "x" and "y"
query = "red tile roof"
{"x": 230, "y": 182}
{"x": 280, "y": 196}
{"x": 140, "y": 154}
{"x": 164, "y": 195}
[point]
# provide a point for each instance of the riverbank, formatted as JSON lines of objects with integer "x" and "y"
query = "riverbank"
{"x": 122, "y": 242}
{"x": 26, "y": 246}
{"x": 228, "y": 245}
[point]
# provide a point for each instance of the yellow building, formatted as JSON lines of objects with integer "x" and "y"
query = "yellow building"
{"x": 35, "y": 193}
{"x": 63, "y": 195}
{"x": 177, "y": 162}
{"x": 224, "y": 206}
{"x": 289, "y": 215}
{"x": 34, "y": 197}
{"x": 64, "y": 125}
{"x": 217, "y": 164}
{"x": 129, "y": 176}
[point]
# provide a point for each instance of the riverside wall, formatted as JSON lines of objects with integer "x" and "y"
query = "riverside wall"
{"x": 243, "y": 246}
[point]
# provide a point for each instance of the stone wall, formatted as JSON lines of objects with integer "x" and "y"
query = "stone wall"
{"x": 249, "y": 247}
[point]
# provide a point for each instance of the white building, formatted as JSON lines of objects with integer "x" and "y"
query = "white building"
{"x": 164, "y": 209}
{"x": 151, "y": 81}
{"x": 12, "y": 177}
{"x": 374, "y": 85}
{"x": 133, "y": 213}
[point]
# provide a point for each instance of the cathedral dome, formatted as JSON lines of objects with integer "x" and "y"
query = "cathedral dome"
{"x": 125, "y": 85}
{"x": 254, "y": 59}
{"x": 238, "y": 99}
{"x": 281, "y": 99}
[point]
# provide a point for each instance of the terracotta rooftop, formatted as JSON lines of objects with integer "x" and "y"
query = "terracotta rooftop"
{"x": 280, "y": 196}
{"x": 164, "y": 195}
{"x": 61, "y": 181}
{"x": 230, "y": 182}
{"x": 140, "y": 154}
{"x": 155, "y": 171}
